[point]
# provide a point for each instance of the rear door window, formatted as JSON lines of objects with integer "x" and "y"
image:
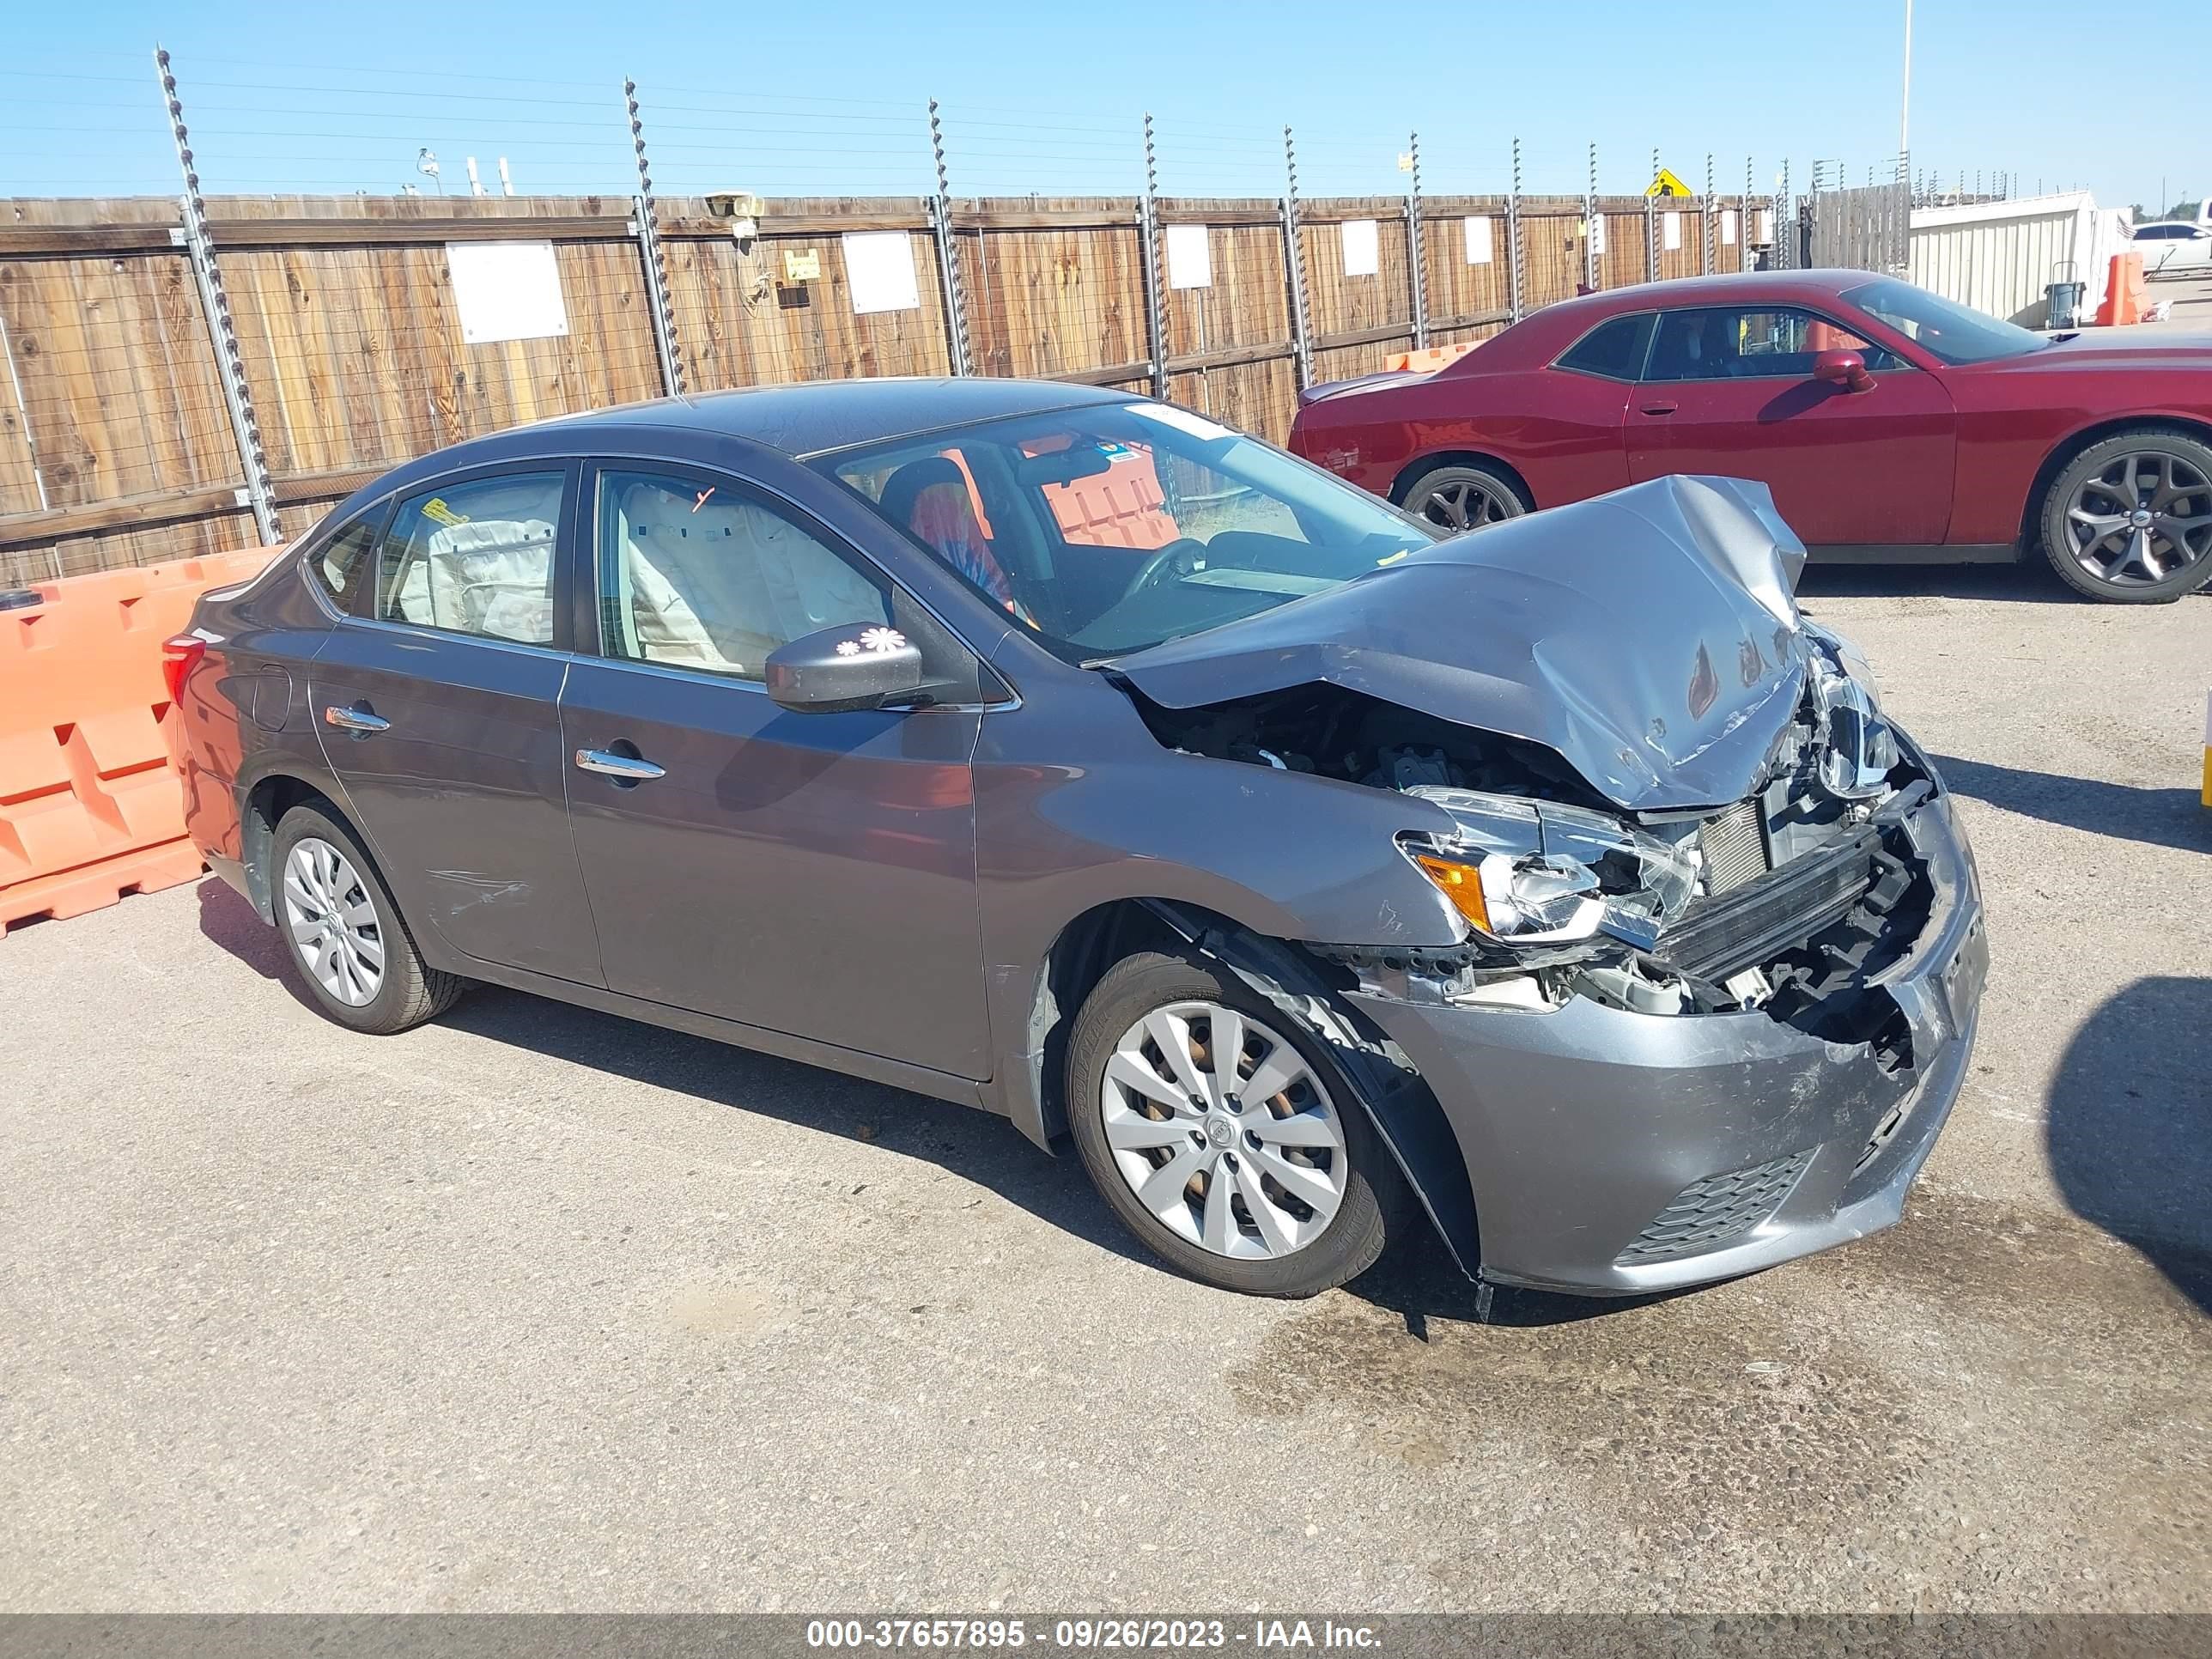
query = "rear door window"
{"x": 475, "y": 557}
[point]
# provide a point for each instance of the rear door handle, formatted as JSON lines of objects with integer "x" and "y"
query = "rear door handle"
{"x": 629, "y": 769}
{"x": 1659, "y": 408}
{"x": 357, "y": 720}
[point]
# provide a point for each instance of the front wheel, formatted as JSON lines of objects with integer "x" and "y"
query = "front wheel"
{"x": 1463, "y": 496}
{"x": 2129, "y": 520}
{"x": 1221, "y": 1135}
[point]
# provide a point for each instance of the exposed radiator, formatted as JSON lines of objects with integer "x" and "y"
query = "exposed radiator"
{"x": 1734, "y": 845}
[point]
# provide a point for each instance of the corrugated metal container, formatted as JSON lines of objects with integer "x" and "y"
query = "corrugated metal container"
{"x": 1999, "y": 256}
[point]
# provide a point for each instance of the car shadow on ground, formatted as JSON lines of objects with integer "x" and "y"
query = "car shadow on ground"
{"x": 2018, "y": 584}
{"x": 2130, "y": 1130}
{"x": 1416, "y": 1280}
{"x": 973, "y": 1145}
{"x": 2126, "y": 811}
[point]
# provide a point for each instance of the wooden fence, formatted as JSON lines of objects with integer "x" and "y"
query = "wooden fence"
{"x": 119, "y": 445}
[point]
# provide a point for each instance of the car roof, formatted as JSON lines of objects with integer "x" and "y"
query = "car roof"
{"x": 818, "y": 415}
{"x": 1729, "y": 287}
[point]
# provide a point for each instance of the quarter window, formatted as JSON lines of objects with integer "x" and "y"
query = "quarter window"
{"x": 343, "y": 562}
{"x": 475, "y": 558}
{"x": 1613, "y": 350}
{"x": 1752, "y": 343}
{"x": 695, "y": 575}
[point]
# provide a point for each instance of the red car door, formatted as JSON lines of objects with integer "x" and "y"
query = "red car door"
{"x": 1730, "y": 390}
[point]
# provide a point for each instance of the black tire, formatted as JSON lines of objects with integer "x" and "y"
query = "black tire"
{"x": 410, "y": 991}
{"x": 1375, "y": 1194}
{"x": 2102, "y": 459}
{"x": 1446, "y": 496}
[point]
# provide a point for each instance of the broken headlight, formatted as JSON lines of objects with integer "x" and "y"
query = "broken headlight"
{"x": 1857, "y": 749}
{"x": 1535, "y": 873}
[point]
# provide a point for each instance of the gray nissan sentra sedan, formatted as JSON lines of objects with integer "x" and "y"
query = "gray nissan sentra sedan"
{"x": 1558, "y": 887}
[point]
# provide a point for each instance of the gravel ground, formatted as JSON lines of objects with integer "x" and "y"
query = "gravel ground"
{"x": 535, "y": 1309}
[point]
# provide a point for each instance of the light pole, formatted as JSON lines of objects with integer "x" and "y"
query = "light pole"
{"x": 1905, "y": 102}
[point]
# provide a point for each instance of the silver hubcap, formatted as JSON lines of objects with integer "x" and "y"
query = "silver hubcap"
{"x": 1223, "y": 1132}
{"x": 2143, "y": 518}
{"x": 1464, "y": 504}
{"x": 333, "y": 922}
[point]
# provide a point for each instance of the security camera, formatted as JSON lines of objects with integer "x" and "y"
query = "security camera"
{"x": 742, "y": 210}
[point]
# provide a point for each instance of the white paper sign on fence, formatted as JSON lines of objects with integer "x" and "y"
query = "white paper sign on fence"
{"x": 1478, "y": 238}
{"x": 507, "y": 291}
{"x": 1766, "y": 225}
{"x": 1190, "y": 257}
{"x": 1362, "y": 255}
{"x": 880, "y": 271}
{"x": 1728, "y": 226}
{"x": 1670, "y": 230}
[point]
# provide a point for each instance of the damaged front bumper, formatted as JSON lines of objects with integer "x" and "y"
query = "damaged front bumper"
{"x": 1616, "y": 1153}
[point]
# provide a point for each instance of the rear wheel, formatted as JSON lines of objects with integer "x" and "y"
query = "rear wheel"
{"x": 1221, "y": 1135}
{"x": 1463, "y": 495}
{"x": 2129, "y": 520}
{"x": 345, "y": 935}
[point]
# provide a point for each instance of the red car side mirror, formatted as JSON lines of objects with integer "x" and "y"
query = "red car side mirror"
{"x": 1845, "y": 368}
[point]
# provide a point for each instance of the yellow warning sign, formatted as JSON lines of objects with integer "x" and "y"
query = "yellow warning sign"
{"x": 1667, "y": 185}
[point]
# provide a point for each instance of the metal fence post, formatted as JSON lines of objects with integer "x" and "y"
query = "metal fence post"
{"x": 650, "y": 256}
{"x": 1148, "y": 227}
{"x": 1513, "y": 274}
{"x": 1415, "y": 256}
{"x": 260, "y": 493}
{"x": 1592, "y": 233}
{"x": 1651, "y": 225}
{"x": 1743, "y": 222}
{"x": 959, "y": 348}
{"x": 1294, "y": 258}
{"x": 1784, "y": 233}
{"x": 1712, "y": 219}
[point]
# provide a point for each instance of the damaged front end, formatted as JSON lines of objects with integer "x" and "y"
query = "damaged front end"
{"x": 1684, "y": 1034}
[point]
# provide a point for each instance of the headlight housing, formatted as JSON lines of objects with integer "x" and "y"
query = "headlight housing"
{"x": 1857, "y": 749}
{"x": 1535, "y": 872}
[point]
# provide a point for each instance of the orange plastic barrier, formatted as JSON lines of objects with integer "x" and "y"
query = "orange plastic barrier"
{"x": 1121, "y": 507}
{"x": 2126, "y": 299}
{"x": 91, "y": 807}
{"x": 1430, "y": 360}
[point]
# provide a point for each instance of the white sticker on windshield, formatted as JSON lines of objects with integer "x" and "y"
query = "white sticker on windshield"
{"x": 1181, "y": 419}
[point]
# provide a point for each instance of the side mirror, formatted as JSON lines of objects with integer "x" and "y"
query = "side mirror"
{"x": 1845, "y": 368}
{"x": 835, "y": 670}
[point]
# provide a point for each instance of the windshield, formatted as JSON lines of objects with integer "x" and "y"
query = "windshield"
{"x": 1951, "y": 332}
{"x": 1116, "y": 527}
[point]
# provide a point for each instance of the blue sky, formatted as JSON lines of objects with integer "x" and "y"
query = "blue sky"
{"x": 829, "y": 98}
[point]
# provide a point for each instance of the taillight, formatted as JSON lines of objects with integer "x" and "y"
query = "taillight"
{"x": 180, "y": 654}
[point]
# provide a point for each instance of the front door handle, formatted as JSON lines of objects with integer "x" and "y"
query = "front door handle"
{"x": 359, "y": 721}
{"x": 629, "y": 769}
{"x": 1659, "y": 407}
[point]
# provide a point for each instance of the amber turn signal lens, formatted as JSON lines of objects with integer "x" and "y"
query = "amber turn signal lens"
{"x": 1460, "y": 882}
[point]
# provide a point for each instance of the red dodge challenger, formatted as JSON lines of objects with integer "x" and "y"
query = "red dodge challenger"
{"x": 1889, "y": 423}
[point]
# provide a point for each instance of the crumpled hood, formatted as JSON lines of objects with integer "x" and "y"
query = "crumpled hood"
{"x": 1648, "y": 636}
